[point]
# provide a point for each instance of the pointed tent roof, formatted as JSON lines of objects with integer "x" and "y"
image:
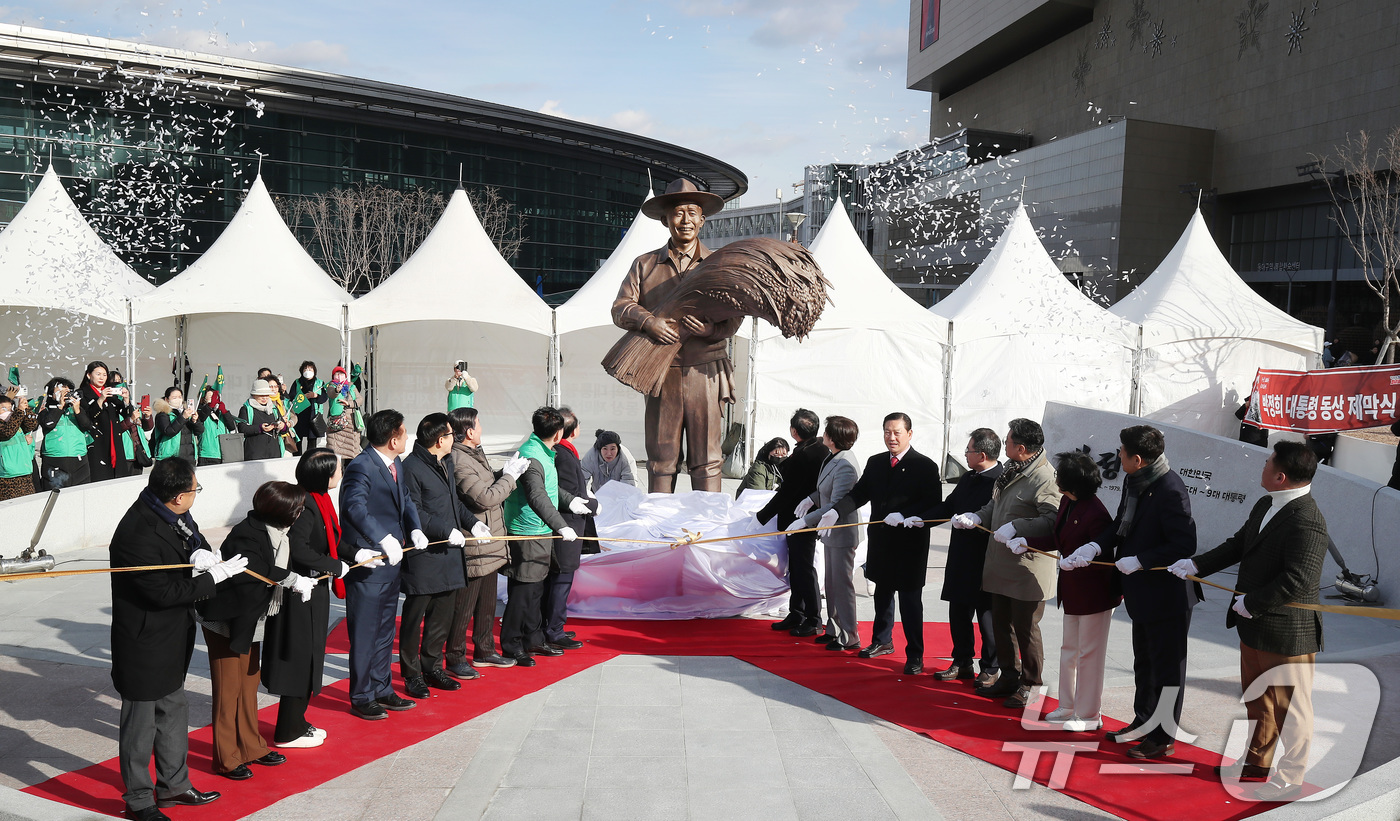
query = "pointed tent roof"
{"x": 1019, "y": 273}
{"x": 51, "y": 258}
{"x": 591, "y": 306}
{"x": 861, "y": 295}
{"x": 455, "y": 275}
{"x": 256, "y": 266}
{"x": 1195, "y": 294}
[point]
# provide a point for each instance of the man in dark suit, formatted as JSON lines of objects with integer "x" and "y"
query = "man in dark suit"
{"x": 554, "y": 603}
{"x": 799, "y": 480}
{"x": 898, "y": 484}
{"x": 1153, "y": 528}
{"x": 432, "y": 578}
{"x": 377, "y": 516}
{"x": 967, "y": 550}
{"x": 1280, "y": 550}
{"x": 153, "y": 636}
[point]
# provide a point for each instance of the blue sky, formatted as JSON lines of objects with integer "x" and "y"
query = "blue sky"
{"x": 767, "y": 85}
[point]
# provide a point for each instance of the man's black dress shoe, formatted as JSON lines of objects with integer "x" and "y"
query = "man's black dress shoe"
{"x": 239, "y": 773}
{"x": 396, "y": 702}
{"x": 416, "y": 687}
{"x": 913, "y": 667}
{"x": 525, "y": 660}
{"x": 272, "y": 759}
{"x": 1152, "y": 749}
{"x": 1243, "y": 772}
{"x": 440, "y": 680}
{"x": 373, "y": 711}
{"x": 1124, "y": 735}
{"x": 494, "y": 660}
{"x": 824, "y": 638}
{"x": 837, "y": 646}
{"x": 954, "y": 673}
{"x": 462, "y": 670}
{"x": 565, "y": 643}
{"x": 788, "y": 622}
{"x": 876, "y": 650}
{"x": 147, "y": 814}
{"x": 189, "y": 798}
{"x": 802, "y": 631}
{"x": 546, "y": 650}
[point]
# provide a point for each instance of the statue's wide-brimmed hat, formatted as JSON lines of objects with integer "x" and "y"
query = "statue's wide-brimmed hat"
{"x": 682, "y": 191}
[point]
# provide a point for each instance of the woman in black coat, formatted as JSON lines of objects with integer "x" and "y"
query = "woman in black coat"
{"x": 104, "y": 407}
{"x": 234, "y": 621}
{"x": 554, "y": 605}
{"x": 294, "y": 646}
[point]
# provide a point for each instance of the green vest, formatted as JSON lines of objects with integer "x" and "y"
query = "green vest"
{"x": 66, "y": 440}
{"x": 248, "y": 420}
{"x": 170, "y": 446}
{"x": 337, "y": 408}
{"x": 208, "y": 447}
{"x": 299, "y": 401}
{"x": 520, "y": 517}
{"x": 460, "y": 397}
{"x": 16, "y": 456}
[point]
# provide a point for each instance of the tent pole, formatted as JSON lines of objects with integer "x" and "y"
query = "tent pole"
{"x": 947, "y": 397}
{"x": 371, "y": 375}
{"x": 554, "y": 390}
{"x": 1135, "y": 401}
{"x": 181, "y": 346}
{"x": 345, "y": 337}
{"x": 130, "y": 349}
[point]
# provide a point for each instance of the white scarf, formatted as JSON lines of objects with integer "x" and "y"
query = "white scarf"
{"x": 281, "y": 552}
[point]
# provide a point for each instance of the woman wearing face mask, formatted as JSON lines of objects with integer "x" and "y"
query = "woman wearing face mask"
{"x": 67, "y": 434}
{"x": 259, "y": 422}
{"x": 176, "y": 427}
{"x": 461, "y": 388}
{"x": 17, "y": 426}
{"x": 345, "y": 423}
{"x": 135, "y": 430}
{"x": 110, "y": 414}
{"x": 217, "y": 421}
{"x": 308, "y": 394}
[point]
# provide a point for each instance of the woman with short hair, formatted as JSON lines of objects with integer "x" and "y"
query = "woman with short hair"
{"x": 294, "y": 651}
{"x": 839, "y": 473}
{"x": 234, "y": 621}
{"x": 608, "y": 461}
{"x": 176, "y": 427}
{"x": 104, "y": 406}
{"x": 763, "y": 474}
{"x": 216, "y": 421}
{"x": 67, "y": 434}
{"x": 17, "y": 426}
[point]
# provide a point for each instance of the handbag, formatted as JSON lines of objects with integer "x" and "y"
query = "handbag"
{"x": 318, "y": 424}
{"x": 231, "y": 447}
{"x": 336, "y": 423}
{"x": 139, "y": 453}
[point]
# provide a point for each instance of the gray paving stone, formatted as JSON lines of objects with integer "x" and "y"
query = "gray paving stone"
{"x": 748, "y": 804}
{"x": 556, "y": 742}
{"x": 610, "y": 741}
{"x": 724, "y": 743}
{"x": 639, "y": 695}
{"x": 644, "y": 773}
{"x": 818, "y": 804}
{"x": 616, "y": 804}
{"x": 826, "y": 774}
{"x": 738, "y": 771}
{"x": 535, "y": 804}
{"x": 562, "y": 771}
{"x": 640, "y": 718}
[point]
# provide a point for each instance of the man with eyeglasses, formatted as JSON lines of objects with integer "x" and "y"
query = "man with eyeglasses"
{"x": 153, "y": 636}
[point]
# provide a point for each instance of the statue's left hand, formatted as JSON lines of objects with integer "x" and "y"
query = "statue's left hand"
{"x": 698, "y": 326}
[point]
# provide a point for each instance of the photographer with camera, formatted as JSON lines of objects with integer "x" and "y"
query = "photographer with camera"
{"x": 17, "y": 426}
{"x": 110, "y": 414}
{"x": 67, "y": 434}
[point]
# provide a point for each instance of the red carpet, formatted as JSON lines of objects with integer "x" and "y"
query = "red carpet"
{"x": 946, "y": 712}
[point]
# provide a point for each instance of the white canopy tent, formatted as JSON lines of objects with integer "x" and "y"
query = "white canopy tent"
{"x": 1204, "y": 334}
{"x": 1021, "y": 335}
{"x": 65, "y": 298}
{"x": 457, "y": 298}
{"x": 874, "y": 351}
{"x": 254, "y": 299}
{"x": 585, "y": 334}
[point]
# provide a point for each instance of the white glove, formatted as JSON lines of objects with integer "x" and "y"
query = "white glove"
{"x": 912, "y": 521}
{"x": 419, "y": 539}
{"x": 203, "y": 560}
{"x": 797, "y": 524}
{"x": 1018, "y": 545}
{"x": 300, "y": 584}
{"x": 568, "y": 534}
{"x": 344, "y": 569}
{"x": 1182, "y": 568}
{"x": 393, "y": 551}
{"x": 1239, "y": 607}
{"x": 369, "y": 558}
{"x": 226, "y": 570}
{"x": 804, "y": 507}
{"x": 516, "y": 467}
{"x": 828, "y": 519}
{"x": 1081, "y": 557}
{"x": 579, "y": 506}
{"x": 455, "y": 538}
{"x": 482, "y": 532}
{"x": 966, "y": 521}
{"x": 1128, "y": 565}
{"x": 894, "y": 519}
{"x": 1005, "y": 533}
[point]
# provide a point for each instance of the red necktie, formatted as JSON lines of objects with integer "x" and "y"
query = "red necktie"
{"x": 894, "y": 460}
{"x": 394, "y": 472}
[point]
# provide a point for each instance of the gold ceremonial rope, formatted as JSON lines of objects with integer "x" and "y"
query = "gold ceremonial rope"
{"x": 51, "y": 574}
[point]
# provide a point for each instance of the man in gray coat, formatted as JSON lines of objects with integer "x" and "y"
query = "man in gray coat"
{"x": 483, "y": 491}
{"x": 838, "y": 474}
{"x": 1024, "y": 503}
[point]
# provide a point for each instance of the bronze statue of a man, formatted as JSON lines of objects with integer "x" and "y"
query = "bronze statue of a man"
{"x": 700, "y": 378}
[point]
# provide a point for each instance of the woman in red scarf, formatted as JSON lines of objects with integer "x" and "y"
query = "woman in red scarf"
{"x": 110, "y": 414}
{"x": 294, "y": 646}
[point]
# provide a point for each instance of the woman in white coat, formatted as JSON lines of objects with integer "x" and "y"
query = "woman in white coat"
{"x": 838, "y": 475}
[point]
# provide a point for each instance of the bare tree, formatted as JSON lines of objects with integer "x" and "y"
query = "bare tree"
{"x": 1366, "y": 208}
{"x": 363, "y": 233}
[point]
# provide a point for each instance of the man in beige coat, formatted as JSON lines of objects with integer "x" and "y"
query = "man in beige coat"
{"x": 1024, "y": 503}
{"x": 483, "y": 491}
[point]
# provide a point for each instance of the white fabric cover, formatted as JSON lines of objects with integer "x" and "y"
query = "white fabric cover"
{"x": 1022, "y": 335}
{"x": 1205, "y": 333}
{"x": 874, "y": 351}
{"x": 586, "y": 333}
{"x": 457, "y": 298}
{"x": 256, "y": 266}
{"x": 633, "y": 581}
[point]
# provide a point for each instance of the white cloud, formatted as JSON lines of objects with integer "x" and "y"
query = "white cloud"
{"x": 305, "y": 54}
{"x": 631, "y": 120}
{"x": 781, "y": 22}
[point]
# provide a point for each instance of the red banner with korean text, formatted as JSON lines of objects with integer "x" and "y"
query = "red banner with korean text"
{"x": 1325, "y": 401}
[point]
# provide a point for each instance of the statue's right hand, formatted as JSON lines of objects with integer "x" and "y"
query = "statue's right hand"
{"x": 664, "y": 331}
